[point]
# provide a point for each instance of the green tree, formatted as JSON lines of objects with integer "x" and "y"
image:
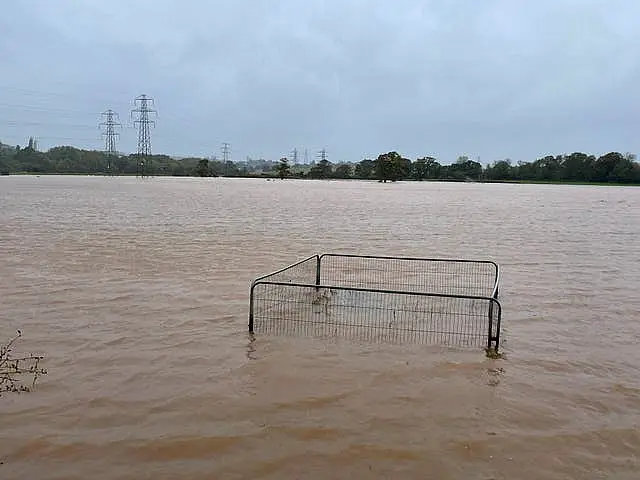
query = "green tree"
{"x": 230, "y": 169}
{"x": 578, "y": 167}
{"x": 343, "y": 170}
{"x": 283, "y": 169}
{"x": 464, "y": 169}
{"x": 323, "y": 169}
{"x": 391, "y": 167}
{"x": 384, "y": 167}
{"x": 402, "y": 167}
{"x": 32, "y": 161}
{"x": 216, "y": 167}
{"x": 550, "y": 167}
{"x": 425, "y": 168}
{"x": 365, "y": 169}
{"x": 178, "y": 170}
{"x": 202, "y": 170}
{"x": 623, "y": 170}
{"x": 500, "y": 170}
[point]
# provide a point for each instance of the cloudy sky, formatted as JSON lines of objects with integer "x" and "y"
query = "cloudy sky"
{"x": 491, "y": 79}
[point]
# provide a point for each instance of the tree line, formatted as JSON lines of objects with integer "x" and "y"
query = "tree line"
{"x": 71, "y": 160}
{"x": 613, "y": 167}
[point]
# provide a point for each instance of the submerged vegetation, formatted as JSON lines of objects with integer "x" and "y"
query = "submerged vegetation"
{"x": 13, "y": 369}
{"x": 577, "y": 167}
{"x": 493, "y": 353}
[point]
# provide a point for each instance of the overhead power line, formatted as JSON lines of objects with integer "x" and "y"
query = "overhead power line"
{"x": 16, "y": 123}
{"x": 30, "y": 108}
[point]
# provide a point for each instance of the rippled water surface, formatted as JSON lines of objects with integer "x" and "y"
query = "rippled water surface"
{"x": 137, "y": 293}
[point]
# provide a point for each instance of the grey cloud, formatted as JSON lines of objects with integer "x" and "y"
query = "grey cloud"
{"x": 495, "y": 79}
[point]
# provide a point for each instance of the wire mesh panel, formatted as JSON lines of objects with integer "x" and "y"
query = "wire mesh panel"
{"x": 374, "y": 315}
{"x": 451, "y": 277}
{"x": 305, "y": 271}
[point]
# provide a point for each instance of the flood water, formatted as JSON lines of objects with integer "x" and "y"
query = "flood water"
{"x": 136, "y": 291}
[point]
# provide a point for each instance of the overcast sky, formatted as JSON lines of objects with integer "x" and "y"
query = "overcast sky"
{"x": 492, "y": 79}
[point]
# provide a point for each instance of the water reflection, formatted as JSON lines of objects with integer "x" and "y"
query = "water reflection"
{"x": 251, "y": 347}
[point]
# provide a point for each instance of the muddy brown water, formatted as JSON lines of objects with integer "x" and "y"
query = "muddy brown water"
{"x": 137, "y": 293}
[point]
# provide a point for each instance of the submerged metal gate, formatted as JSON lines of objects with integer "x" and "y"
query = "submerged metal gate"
{"x": 384, "y": 299}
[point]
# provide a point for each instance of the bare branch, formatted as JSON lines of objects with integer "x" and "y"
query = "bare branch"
{"x": 11, "y": 369}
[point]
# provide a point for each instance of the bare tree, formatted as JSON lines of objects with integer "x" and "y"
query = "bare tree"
{"x": 13, "y": 369}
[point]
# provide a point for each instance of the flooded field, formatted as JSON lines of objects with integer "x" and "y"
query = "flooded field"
{"x": 137, "y": 293}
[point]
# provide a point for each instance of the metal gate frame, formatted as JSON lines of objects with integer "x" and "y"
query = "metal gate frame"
{"x": 287, "y": 276}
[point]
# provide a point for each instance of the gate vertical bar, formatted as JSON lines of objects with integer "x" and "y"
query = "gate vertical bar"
{"x": 490, "y": 333}
{"x": 497, "y": 337}
{"x": 318, "y": 270}
{"x": 251, "y": 310}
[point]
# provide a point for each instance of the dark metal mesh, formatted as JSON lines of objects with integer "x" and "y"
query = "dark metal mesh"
{"x": 452, "y": 277}
{"x": 301, "y": 272}
{"x": 372, "y": 316}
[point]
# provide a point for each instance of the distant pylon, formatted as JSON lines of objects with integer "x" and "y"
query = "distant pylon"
{"x": 110, "y": 136}
{"x": 322, "y": 154}
{"x": 142, "y": 109}
{"x": 226, "y": 151}
{"x": 294, "y": 155}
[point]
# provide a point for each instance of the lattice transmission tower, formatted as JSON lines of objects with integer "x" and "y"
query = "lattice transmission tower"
{"x": 226, "y": 151}
{"x": 141, "y": 113}
{"x": 109, "y": 125}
